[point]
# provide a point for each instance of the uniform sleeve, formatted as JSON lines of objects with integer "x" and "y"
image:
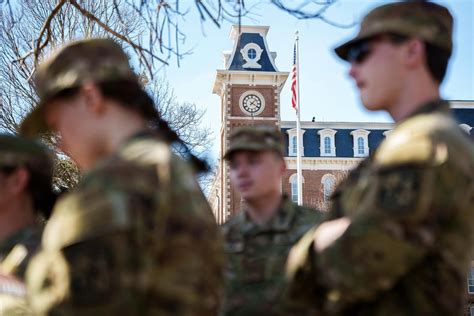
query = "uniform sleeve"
{"x": 391, "y": 232}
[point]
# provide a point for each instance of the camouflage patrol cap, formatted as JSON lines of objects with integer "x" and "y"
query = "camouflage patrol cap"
{"x": 428, "y": 21}
{"x": 90, "y": 60}
{"x": 255, "y": 138}
{"x": 17, "y": 151}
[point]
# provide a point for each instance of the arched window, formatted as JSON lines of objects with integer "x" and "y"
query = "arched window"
{"x": 294, "y": 187}
{"x": 329, "y": 182}
{"x": 360, "y": 146}
{"x": 470, "y": 281}
{"x": 327, "y": 145}
{"x": 361, "y": 142}
{"x": 293, "y": 142}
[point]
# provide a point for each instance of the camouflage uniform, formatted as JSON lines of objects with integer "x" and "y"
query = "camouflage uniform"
{"x": 256, "y": 254}
{"x": 409, "y": 208}
{"x": 17, "y": 249}
{"x": 136, "y": 237}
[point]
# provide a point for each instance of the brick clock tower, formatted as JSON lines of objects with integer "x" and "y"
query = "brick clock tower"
{"x": 249, "y": 89}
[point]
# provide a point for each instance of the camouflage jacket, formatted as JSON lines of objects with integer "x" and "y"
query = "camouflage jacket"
{"x": 256, "y": 257}
{"x": 30, "y": 239}
{"x": 136, "y": 237}
{"x": 408, "y": 244}
{"x": 13, "y": 300}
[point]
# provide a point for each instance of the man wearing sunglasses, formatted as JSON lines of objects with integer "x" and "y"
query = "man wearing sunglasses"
{"x": 398, "y": 237}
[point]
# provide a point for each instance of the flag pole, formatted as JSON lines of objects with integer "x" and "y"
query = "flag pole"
{"x": 298, "y": 126}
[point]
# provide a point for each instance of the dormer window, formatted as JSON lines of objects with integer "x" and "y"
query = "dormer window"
{"x": 251, "y": 53}
{"x": 361, "y": 142}
{"x": 293, "y": 142}
{"x": 328, "y": 142}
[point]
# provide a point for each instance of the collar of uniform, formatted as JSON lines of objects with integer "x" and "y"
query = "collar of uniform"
{"x": 438, "y": 105}
{"x": 19, "y": 236}
{"x": 281, "y": 222}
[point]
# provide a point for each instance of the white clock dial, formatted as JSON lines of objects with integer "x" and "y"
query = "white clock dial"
{"x": 252, "y": 104}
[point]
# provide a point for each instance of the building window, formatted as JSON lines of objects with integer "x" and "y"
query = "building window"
{"x": 329, "y": 182}
{"x": 471, "y": 310}
{"x": 294, "y": 187}
{"x": 252, "y": 53}
{"x": 360, "y": 146}
{"x": 328, "y": 142}
{"x": 294, "y": 148}
{"x": 470, "y": 281}
{"x": 361, "y": 142}
{"x": 327, "y": 145}
{"x": 293, "y": 142}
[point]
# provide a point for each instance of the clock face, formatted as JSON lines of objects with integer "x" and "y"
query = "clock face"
{"x": 252, "y": 104}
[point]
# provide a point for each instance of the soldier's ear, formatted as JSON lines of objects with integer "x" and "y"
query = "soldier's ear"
{"x": 93, "y": 97}
{"x": 415, "y": 53}
{"x": 18, "y": 180}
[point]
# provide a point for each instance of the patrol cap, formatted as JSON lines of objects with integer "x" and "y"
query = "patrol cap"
{"x": 17, "y": 151}
{"x": 428, "y": 21}
{"x": 90, "y": 60}
{"x": 255, "y": 138}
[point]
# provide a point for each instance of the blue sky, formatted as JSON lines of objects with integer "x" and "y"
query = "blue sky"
{"x": 326, "y": 90}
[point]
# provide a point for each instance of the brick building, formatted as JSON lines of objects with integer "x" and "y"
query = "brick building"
{"x": 249, "y": 87}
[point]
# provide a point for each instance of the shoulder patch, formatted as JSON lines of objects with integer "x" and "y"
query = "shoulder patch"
{"x": 415, "y": 142}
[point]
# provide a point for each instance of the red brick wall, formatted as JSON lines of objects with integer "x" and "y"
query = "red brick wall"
{"x": 267, "y": 92}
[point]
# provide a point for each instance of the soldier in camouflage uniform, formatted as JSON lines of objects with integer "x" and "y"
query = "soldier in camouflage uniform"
{"x": 136, "y": 237}
{"x": 258, "y": 239}
{"x": 26, "y": 199}
{"x": 399, "y": 236}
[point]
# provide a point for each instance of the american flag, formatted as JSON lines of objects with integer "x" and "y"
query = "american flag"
{"x": 293, "y": 80}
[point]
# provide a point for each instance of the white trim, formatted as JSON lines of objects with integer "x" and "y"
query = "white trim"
{"x": 461, "y": 104}
{"x": 251, "y": 62}
{"x": 323, "y": 163}
{"x": 339, "y": 125}
{"x": 465, "y": 128}
{"x": 355, "y": 140}
{"x": 256, "y": 93}
{"x": 327, "y": 132}
{"x": 248, "y": 78}
{"x": 292, "y": 133}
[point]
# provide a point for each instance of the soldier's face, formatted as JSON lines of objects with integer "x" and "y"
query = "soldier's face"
{"x": 256, "y": 175}
{"x": 76, "y": 127}
{"x": 379, "y": 73}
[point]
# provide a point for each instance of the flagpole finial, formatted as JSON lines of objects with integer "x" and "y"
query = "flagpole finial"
{"x": 297, "y": 34}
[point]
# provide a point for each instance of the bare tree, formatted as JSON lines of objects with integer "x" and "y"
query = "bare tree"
{"x": 161, "y": 19}
{"x": 18, "y": 29}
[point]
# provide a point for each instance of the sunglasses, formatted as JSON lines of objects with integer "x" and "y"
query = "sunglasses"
{"x": 359, "y": 52}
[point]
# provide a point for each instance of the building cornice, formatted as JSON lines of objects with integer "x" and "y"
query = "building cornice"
{"x": 338, "y": 125}
{"x": 252, "y": 78}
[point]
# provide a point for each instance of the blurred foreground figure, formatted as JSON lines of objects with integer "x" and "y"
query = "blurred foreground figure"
{"x": 26, "y": 200}
{"x": 258, "y": 239}
{"x": 399, "y": 236}
{"x": 137, "y": 236}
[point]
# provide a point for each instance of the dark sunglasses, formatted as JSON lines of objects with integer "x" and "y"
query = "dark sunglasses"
{"x": 359, "y": 52}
